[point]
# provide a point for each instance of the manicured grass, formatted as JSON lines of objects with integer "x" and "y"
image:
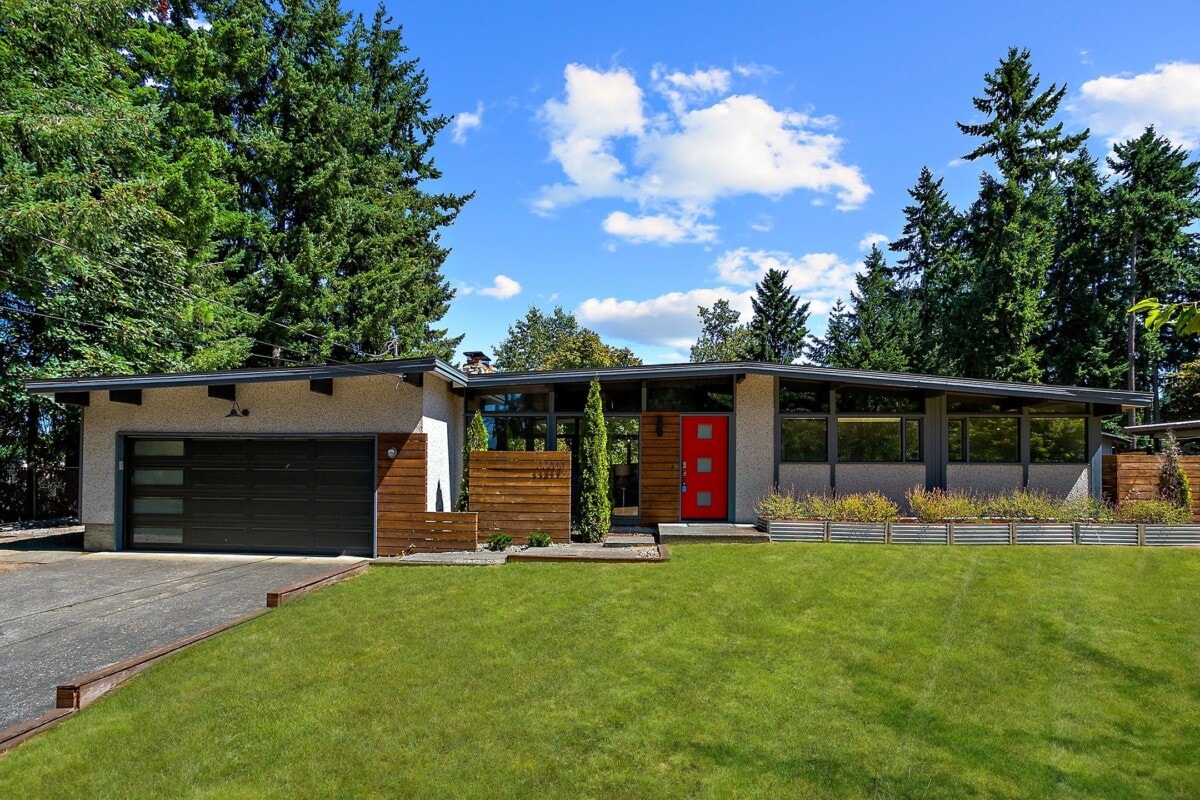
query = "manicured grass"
{"x": 770, "y": 671}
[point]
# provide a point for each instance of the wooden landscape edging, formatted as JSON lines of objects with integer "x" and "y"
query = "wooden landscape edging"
{"x": 519, "y": 493}
{"x": 81, "y": 692}
{"x": 1134, "y": 476}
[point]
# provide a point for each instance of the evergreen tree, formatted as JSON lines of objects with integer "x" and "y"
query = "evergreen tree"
{"x": 595, "y": 501}
{"x": 1011, "y": 226}
{"x": 721, "y": 337}
{"x": 779, "y": 328}
{"x": 883, "y": 322}
{"x": 931, "y": 273}
{"x": 836, "y": 347}
{"x": 556, "y": 341}
{"x": 1154, "y": 202}
{"x": 475, "y": 441}
{"x": 1182, "y": 395}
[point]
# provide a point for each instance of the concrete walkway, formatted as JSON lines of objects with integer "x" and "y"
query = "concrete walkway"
{"x": 63, "y": 614}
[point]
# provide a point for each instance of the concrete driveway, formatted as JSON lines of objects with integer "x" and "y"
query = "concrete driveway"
{"x": 63, "y": 613}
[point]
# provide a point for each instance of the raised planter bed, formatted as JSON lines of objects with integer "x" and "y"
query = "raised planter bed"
{"x": 986, "y": 533}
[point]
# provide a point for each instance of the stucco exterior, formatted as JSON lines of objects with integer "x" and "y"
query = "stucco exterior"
{"x": 890, "y": 480}
{"x": 1060, "y": 480}
{"x": 804, "y": 478}
{"x": 440, "y": 410}
{"x": 983, "y": 478}
{"x": 754, "y": 443}
{"x": 362, "y": 404}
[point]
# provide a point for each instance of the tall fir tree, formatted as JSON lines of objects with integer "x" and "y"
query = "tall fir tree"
{"x": 836, "y": 347}
{"x": 779, "y": 329}
{"x": 1155, "y": 203}
{"x": 1011, "y": 226}
{"x": 883, "y": 321}
{"x": 931, "y": 272}
{"x": 722, "y": 337}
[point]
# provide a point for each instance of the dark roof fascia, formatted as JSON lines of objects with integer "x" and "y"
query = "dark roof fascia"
{"x": 252, "y": 375}
{"x": 814, "y": 373}
{"x": 1163, "y": 427}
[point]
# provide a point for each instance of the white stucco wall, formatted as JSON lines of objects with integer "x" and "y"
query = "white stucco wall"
{"x": 804, "y": 478}
{"x": 1060, "y": 480}
{"x": 367, "y": 404}
{"x": 754, "y": 459}
{"x": 983, "y": 478}
{"x": 441, "y": 410}
{"x": 890, "y": 480}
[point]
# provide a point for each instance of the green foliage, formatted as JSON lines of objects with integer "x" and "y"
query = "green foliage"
{"x": 1183, "y": 393}
{"x": 556, "y": 341}
{"x": 595, "y": 502}
{"x": 540, "y": 539}
{"x": 882, "y": 329}
{"x": 779, "y": 328}
{"x": 939, "y": 505}
{"x": 475, "y": 441}
{"x": 858, "y": 507}
{"x": 1172, "y": 481}
{"x": 498, "y": 541}
{"x": 1152, "y": 512}
{"x": 721, "y": 337}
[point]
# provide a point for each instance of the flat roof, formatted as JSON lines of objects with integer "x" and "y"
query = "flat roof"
{"x": 1190, "y": 427}
{"x": 807, "y": 372}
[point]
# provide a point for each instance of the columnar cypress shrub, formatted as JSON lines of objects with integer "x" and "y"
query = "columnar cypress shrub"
{"x": 1172, "y": 482}
{"x": 595, "y": 505}
{"x": 475, "y": 440}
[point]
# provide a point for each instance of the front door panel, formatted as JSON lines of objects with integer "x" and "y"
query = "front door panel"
{"x": 705, "y": 468}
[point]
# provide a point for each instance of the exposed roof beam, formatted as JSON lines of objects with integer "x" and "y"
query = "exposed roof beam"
{"x": 131, "y": 396}
{"x": 321, "y": 386}
{"x": 223, "y": 391}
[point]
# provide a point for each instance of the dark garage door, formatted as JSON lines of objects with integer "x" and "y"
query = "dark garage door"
{"x": 311, "y": 496}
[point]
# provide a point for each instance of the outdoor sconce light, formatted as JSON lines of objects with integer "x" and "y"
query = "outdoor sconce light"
{"x": 237, "y": 412}
{"x": 392, "y": 452}
{"x": 658, "y": 425}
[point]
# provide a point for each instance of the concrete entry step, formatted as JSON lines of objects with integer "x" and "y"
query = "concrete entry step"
{"x": 629, "y": 540}
{"x": 710, "y": 532}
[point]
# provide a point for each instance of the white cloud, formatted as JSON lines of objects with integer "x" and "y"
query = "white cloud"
{"x": 1120, "y": 107}
{"x": 763, "y": 224}
{"x": 753, "y": 70}
{"x": 502, "y": 288}
{"x": 467, "y": 121}
{"x": 658, "y": 228}
{"x": 669, "y": 320}
{"x": 682, "y": 161}
{"x": 865, "y": 243}
{"x": 199, "y": 24}
{"x": 816, "y": 277}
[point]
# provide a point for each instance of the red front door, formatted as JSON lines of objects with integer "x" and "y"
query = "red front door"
{"x": 705, "y": 469}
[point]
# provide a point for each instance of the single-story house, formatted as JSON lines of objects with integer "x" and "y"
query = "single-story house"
{"x": 285, "y": 459}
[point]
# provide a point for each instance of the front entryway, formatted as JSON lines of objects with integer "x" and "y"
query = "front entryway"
{"x": 270, "y": 495}
{"x": 705, "y": 468}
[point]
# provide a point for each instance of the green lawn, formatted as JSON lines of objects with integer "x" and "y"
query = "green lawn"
{"x": 773, "y": 671}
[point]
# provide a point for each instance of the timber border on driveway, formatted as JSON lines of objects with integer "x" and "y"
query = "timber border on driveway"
{"x": 82, "y": 691}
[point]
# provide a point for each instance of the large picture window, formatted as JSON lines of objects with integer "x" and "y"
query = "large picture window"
{"x": 1057, "y": 440}
{"x": 516, "y": 433}
{"x": 805, "y": 439}
{"x": 984, "y": 440}
{"x": 878, "y": 439}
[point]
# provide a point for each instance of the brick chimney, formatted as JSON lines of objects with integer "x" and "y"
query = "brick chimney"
{"x": 478, "y": 363}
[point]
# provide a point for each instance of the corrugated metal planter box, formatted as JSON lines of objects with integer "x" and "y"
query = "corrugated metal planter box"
{"x": 791, "y": 530}
{"x": 981, "y": 533}
{"x": 920, "y": 533}
{"x": 1045, "y": 533}
{"x": 1173, "y": 535}
{"x": 1108, "y": 534}
{"x": 872, "y": 532}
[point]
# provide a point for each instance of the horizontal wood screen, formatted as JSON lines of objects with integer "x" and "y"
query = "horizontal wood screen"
{"x": 1134, "y": 476}
{"x": 520, "y": 493}
{"x": 660, "y": 468}
{"x": 400, "y": 481}
{"x": 403, "y": 532}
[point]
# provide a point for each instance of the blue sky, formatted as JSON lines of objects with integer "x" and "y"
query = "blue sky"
{"x": 634, "y": 160}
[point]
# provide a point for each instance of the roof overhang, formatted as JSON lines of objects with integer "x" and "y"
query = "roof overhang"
{"x": 1159, "y": 430}
{"x": 232, "y": 377}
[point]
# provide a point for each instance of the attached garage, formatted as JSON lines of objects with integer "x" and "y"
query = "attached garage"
{"x": 259, "y": 495}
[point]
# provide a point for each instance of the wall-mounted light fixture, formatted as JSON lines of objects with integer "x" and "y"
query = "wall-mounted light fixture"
{"x": 237, "y": 411}
{"x": 658, "y": 425}
{"x": 392, "y": 452}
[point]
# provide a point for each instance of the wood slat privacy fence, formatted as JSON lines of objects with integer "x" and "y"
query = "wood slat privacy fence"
{"x": 519, "y": 493}
{"x": 660, "y": 438}
{"x": 1134, "y": 476}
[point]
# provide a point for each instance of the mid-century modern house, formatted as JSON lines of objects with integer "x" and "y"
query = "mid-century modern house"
{"x": 286, "y": 459}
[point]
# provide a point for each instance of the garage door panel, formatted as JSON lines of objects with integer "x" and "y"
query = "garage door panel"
{"x": 252, "y": 495}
